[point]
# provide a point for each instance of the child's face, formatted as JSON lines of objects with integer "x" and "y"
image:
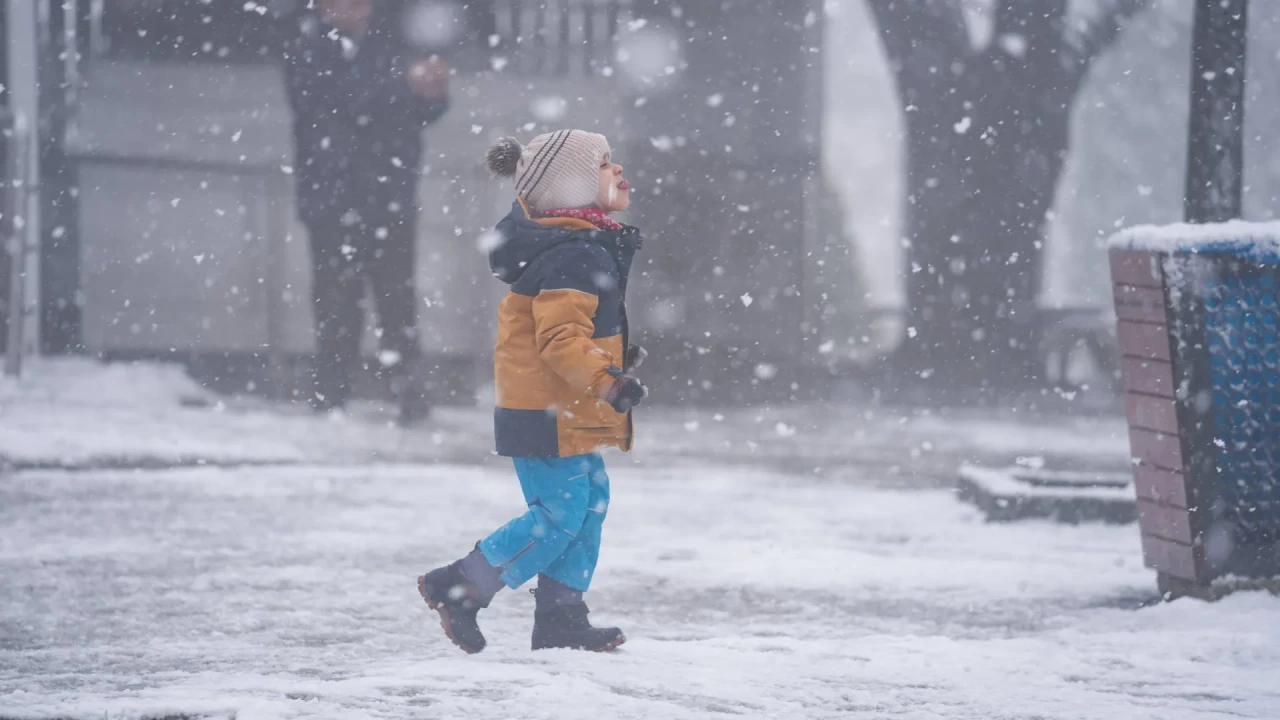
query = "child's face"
{"x": 615, "y": 193}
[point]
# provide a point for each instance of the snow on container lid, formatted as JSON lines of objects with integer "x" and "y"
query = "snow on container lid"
{"x": 1259, "y": 241}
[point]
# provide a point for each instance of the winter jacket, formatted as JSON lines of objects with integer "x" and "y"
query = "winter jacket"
{"x": 357, "y": 125}
{"x": 561, "y": 333}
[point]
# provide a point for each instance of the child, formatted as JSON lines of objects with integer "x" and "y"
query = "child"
{"x": 564, "y": 387}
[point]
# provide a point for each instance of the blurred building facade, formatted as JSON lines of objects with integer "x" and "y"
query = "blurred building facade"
{"x": 180, "y": 240}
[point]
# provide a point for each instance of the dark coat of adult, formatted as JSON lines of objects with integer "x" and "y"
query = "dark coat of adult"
{"x": 357, "y": 125}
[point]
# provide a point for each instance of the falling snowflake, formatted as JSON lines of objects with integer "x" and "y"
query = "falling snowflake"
{"x": 1014, "y": 44}
{"x": 662, "y": 143}
{"x": 490, "y": 240}
{"x": 549, "y": 108}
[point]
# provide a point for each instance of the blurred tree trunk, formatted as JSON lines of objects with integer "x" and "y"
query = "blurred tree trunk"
{"x": 987, "y": 132}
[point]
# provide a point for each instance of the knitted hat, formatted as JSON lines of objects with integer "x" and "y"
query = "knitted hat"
{"x": 556, "y": 170}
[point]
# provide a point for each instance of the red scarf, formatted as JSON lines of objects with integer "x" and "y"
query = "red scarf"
{"x": 595, "y": 216}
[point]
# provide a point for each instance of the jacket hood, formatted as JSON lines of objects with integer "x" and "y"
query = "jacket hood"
{"x": 523, "y": 238}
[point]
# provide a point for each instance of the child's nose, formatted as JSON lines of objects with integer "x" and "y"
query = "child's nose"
{"x": 617, "y": 169}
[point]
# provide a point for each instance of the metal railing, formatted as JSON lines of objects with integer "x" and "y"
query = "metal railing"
{"x": 559, "y": 38}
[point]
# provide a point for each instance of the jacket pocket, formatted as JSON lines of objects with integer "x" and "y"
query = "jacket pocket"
{"x": 588, "y": 415}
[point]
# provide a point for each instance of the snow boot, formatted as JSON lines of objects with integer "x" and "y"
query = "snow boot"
{"x": 414, "y": 411}
{"x": 566, "y": 626}
{"x": 447, "y": 591}
{"x": 409, "y": 391}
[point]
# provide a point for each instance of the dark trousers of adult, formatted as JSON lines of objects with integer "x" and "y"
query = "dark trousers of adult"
{"x": 347, "y": 260}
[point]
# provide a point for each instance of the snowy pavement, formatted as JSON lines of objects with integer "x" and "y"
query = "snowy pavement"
{"x": 288, "y": 592}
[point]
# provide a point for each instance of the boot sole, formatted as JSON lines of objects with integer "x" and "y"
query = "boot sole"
{"x": 611, "y": 646}
{"x": 445, "y": 624}
{"x": 602, "y": 649}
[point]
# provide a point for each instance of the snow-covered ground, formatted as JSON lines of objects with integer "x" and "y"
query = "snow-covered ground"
{"x": 74, "y": 412}
{"x": 165, "y": 552}
{"x": 289, "y": 592}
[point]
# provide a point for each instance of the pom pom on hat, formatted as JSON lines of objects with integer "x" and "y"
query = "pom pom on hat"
{"x": 503, "y": 158}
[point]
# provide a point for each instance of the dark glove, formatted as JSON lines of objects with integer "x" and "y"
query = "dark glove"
{"x": 635, "y": 356}
{"x": 625, "y": 393}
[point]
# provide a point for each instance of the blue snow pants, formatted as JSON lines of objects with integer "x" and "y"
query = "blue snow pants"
{"x": 560, "y": 534}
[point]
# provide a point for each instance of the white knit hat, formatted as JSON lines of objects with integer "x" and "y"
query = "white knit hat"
{"x": 555, "y": 170}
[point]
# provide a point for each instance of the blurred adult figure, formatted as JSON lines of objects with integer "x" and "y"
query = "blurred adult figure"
{"x": 360, "y": 104}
